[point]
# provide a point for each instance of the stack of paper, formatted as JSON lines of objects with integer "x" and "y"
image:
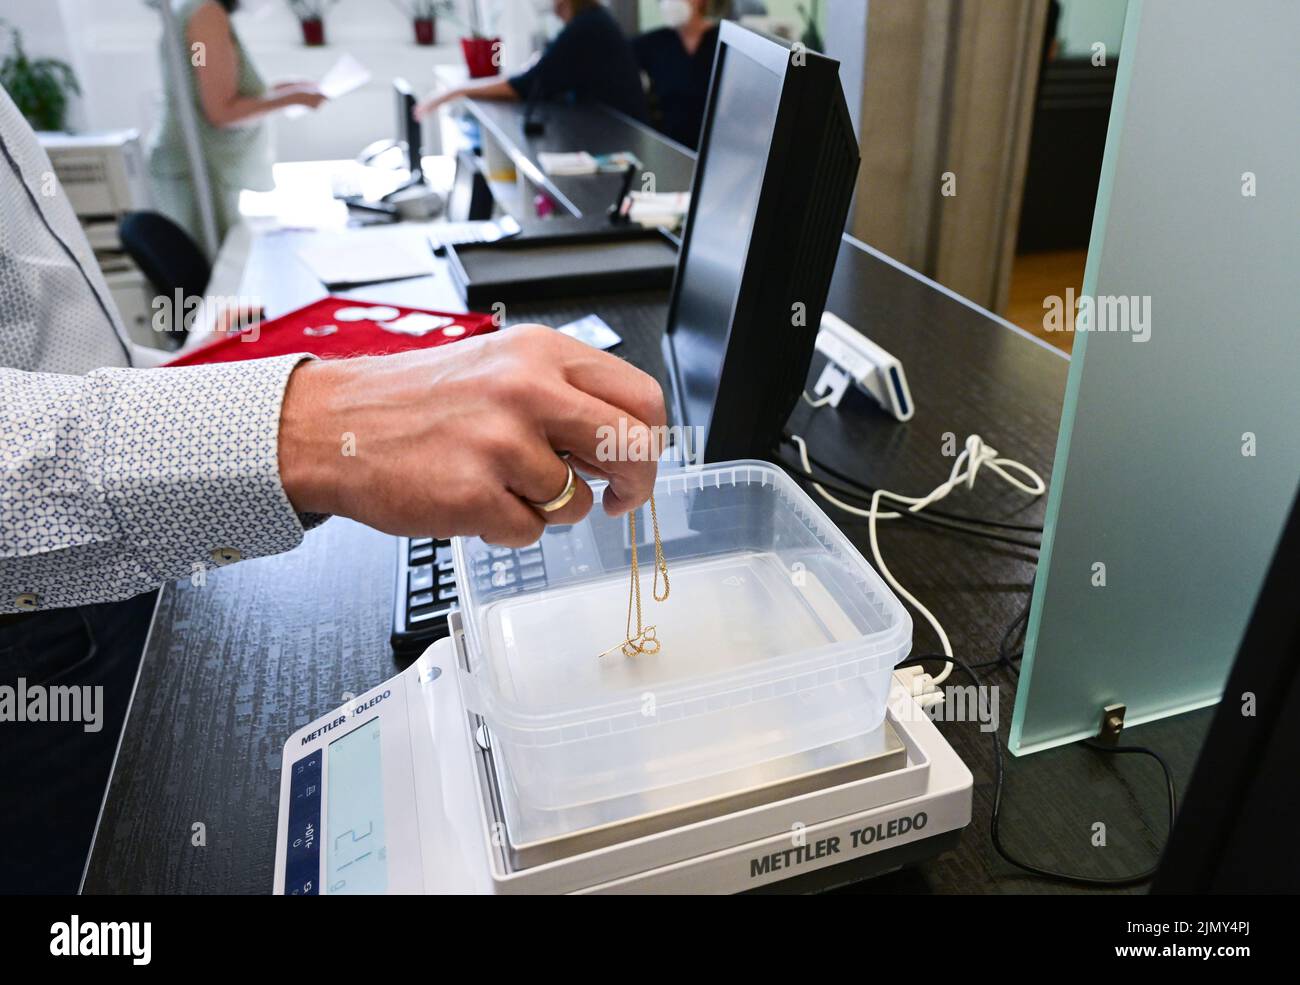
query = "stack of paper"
{"x": 580, "y": 162}
{"x": 577, "y": 162}
{"x": 659, "y": 208}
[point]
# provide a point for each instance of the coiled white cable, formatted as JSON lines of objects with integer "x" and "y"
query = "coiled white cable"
{"x": 975, "y": 456}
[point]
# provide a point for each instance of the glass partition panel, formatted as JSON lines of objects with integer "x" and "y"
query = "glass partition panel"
{"x": 1180, "y": 439}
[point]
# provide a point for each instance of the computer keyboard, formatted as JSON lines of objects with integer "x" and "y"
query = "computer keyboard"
{"x": 444, "y": 234}
{"x": 427, "y": 591}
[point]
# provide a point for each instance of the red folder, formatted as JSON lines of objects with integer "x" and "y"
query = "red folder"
{"x": 308, "y": 330}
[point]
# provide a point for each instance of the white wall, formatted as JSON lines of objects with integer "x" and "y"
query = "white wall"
{"x": 113, "y": 46}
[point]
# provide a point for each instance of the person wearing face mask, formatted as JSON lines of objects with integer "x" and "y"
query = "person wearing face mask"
{"x": 678, "y": 58}
{"x": 589, "y": 61}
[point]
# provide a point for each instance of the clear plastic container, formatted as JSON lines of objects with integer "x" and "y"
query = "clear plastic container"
{"x": 777, "y": 638}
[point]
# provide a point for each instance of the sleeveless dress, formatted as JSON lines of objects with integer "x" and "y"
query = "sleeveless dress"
{"x": 238, "y": 157}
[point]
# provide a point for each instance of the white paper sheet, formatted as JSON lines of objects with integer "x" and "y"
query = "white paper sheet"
{"x": 344, "y": 76}
{"x": 364, "y": 257}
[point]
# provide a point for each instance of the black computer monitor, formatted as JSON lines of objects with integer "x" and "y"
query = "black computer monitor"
{"x": 777, "y": 162}
{"x": 470, "y": 199}
{"x": 408, "y": 129}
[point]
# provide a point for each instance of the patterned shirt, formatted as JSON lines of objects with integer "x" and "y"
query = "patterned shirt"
{"x": 112, "y": 479}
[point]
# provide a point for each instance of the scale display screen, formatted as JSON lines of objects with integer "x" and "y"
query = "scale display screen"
{"x": 356, "y": 858}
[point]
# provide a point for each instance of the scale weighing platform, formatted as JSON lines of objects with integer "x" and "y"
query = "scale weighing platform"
{"x": 396, "y": 792}
{"x": 768, "y": 744}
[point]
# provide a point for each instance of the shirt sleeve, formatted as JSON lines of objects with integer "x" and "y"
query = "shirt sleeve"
{"x": 523, "y": 82}
{"x": 117, "y": 481}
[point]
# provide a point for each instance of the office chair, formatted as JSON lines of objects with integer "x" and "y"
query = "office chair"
{"x": 167, "y": 256}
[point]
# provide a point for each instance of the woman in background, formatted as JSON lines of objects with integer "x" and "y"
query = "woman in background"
{"x": 230, "y": 100}
{"x": 678, "y": 58}
{"x": 589, "y": 61}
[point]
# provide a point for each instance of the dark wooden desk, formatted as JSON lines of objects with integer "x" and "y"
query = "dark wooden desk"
{"x": 233, "y": 668}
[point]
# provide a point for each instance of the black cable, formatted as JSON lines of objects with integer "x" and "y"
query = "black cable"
{"x": 869, "y": 489}
{"x": 1005, "y": 657}
{"x": 999, "y": 778}
{"x": 929, "y": 516}
{"x": 926, "y": 518}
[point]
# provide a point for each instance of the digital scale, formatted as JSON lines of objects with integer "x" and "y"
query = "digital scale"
{"x": 399, "y": 791}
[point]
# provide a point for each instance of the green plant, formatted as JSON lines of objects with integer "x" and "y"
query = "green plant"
{"x": 40, "y": 87}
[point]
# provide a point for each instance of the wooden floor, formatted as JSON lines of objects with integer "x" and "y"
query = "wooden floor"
{"x": 1035, "y": 276}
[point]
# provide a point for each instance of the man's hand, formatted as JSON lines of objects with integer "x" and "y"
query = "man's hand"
{"x": 455, "y": 440}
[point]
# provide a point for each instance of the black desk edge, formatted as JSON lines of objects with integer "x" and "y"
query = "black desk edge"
{"x": 117, "y": 750}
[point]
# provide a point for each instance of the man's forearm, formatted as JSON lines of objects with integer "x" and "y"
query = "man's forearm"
{"x": 123, "y": 479}
{"x": 115, "y": 482}
{"x": 308, "y": 445}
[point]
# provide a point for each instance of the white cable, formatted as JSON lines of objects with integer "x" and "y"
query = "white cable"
{"x": 818, "y": 402}
{"x": 974, "y": 456}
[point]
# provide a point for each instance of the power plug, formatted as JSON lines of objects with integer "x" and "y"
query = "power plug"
{"x": 920, "y": 686}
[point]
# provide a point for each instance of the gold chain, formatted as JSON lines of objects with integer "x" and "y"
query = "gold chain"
{"x": 644, "y": 640}
{"x": 661, "y": 566}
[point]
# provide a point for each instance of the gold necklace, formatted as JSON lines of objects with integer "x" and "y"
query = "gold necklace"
{"x": 644, "y": 640}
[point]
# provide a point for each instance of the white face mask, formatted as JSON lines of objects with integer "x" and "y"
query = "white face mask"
{"x": 675, "y": 13}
